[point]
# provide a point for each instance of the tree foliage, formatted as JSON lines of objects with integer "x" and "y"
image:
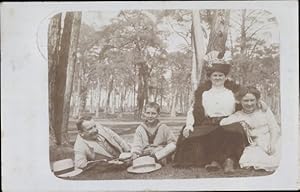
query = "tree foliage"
{"x": 129, "y": 60}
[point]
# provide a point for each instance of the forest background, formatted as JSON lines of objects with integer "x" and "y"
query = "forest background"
{"x": 110, "y": 64}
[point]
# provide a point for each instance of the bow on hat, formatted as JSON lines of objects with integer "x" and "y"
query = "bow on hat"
{"x": 217, "y": 61}
{"x": 216, "y": 57}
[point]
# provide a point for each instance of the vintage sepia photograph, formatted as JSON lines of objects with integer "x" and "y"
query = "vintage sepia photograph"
{"x": 150, "y": 96}
{"x": 164, "y": 94}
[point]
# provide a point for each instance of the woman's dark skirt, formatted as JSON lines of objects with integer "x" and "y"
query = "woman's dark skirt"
{"x": 210, "y": 142}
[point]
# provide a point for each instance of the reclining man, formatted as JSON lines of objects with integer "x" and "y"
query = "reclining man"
{"x": 95, "y": 142}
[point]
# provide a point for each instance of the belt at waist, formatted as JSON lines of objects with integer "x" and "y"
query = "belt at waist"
{"x": 214, "y": 120}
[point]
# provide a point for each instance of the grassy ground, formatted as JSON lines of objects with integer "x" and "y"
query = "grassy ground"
{"x": 166, "y": 172}
{"x": 126, "y": 129}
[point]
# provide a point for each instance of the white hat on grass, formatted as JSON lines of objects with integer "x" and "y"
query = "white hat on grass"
{"x": 144, "y": 164}
{"x": 65, "y": 168}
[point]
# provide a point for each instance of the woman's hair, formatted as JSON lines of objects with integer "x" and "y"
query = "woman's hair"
{"x": 248, "y": 89}
{"x": 222, "y": 68}
{"x": 153, "y": 105}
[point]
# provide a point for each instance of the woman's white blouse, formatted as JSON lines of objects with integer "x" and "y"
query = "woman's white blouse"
{"x": 218, "y": 102}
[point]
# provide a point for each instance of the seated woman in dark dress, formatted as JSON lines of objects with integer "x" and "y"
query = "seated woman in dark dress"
{"x": 203, "y": 142}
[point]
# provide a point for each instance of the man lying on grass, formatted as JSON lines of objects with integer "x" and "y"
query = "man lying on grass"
{"x": 96, "y": 142}
{"x": 152, "y": 137}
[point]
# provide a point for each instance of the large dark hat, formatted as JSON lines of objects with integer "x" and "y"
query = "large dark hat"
{"x": 215, "y": 62}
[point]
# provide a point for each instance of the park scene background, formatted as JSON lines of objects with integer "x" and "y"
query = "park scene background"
{"x": 109, "y": 64}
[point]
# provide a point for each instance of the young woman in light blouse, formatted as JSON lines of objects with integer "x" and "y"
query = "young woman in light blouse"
{"x": 262, "y": 130}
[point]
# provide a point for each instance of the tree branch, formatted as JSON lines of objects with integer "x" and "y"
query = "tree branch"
{"x": 178, "y": 33}
{"x": 236, "y": 21}
{"x": 258, "y": 30}
{"x": 251, "y": 24}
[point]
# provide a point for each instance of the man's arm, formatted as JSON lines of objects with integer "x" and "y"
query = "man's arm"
{"x": 82, "y": 152}
{"x": 80, "y": 160}
{"x": 137, "y": 146}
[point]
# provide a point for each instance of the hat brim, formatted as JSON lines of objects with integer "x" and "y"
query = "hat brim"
{"x": 125, "y": 156}
{"x": 71, "y": 174}
{"x": 144, "y": 169}
{"x": 223, "y": 68}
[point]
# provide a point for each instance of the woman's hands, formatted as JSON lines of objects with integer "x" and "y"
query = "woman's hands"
{"x": 186, "y": 131}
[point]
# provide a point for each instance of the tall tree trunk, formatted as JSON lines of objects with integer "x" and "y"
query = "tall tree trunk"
{"x": 76, "y": 90}
{"x": 103, "y": 102}
{"x": 231, "y": 44}
{"x": 187, "y": 100}
{"x": 199, "y": 49}
{"x": 190, "y": 95}
{"x": 84, "y": 83}
{"x": 133, "y": 99}
{"x": 53, "y": 50}
{"x": 194, "y": 76}
{"x": 113, "y": 103}
{"x": 173, "y": 105}
{"x": 77, "y": 95}
{"x": 142, "y": 88}
{"x": 218, "y": 34}
{"x": 60, "y": 77}
{"x": 122, "y": 98}
{"x": 243, "y": 61}
{"x": 91, "y": 92}
{"x": 99, "y": 99}
{"x": 133, "y": 92}
{"x": 161, "y": 92}
{"x": 156, "y": 94}
{"x": 243, "y": 32}
{"x": 219, "y": 31}
{"x": 110, "y": 88}
{"x": 146, "y": 84}
{"x": 181, "y": 102}
{"x": 83, "y": 97}
{"x": 134, "y": 89}
{"x": 72, "y": 59}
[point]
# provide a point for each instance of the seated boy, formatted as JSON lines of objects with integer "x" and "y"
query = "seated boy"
{"x": 152, "y": 137}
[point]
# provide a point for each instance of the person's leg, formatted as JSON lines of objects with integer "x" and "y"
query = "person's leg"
{"x": 183, "y": 151}
{"x": 214, "y": 141}
{"x": 233, "y": 146}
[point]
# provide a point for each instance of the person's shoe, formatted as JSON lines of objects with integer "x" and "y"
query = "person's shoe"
{"x": 213, "y": 166}
{"x": 229, "y": 166}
